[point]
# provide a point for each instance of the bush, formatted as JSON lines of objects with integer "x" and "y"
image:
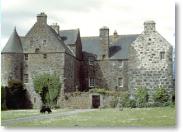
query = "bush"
{"x": 16, "y": 96}
{"x": 160, "y": 96}
{"x": 124, "y": 99}
{"x": 141, "y": 96}
{"x": 132, "y": 103}
{"x": 114, "y": 102}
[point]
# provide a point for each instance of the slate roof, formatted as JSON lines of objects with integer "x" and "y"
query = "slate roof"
{"x": 117, "y": 50}
{"x": 14, "y": 44}
{"x": 69, "y": 36}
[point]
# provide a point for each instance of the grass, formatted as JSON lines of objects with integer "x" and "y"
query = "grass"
{"x": 13, "y": 114}
{"x": 138, "y": 117}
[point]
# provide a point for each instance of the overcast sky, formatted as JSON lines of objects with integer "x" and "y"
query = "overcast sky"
{"x": 125, "y": 16}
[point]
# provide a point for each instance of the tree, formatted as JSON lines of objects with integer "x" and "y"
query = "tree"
{"x": 48, "y": 87}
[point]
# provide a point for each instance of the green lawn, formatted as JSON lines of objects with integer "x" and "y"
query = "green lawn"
{"x": 139, "y": 117}
{"x": 12, "y": 114}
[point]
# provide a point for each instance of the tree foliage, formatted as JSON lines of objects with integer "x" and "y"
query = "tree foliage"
{"x": 48, "y": 86}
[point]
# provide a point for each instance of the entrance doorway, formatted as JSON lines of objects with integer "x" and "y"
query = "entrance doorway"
{"x": 95, "y": 101}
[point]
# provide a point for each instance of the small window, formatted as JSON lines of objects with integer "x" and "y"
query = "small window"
{"x": 120, "y": 82}
{"x": 121, "y": 64}
{"x": 91, "y": 60}
{"x": 26, "y": 56}
{"x": 162, "y": 55}
{"x": 37, "y": 50}
{"x": 103, "y": 56}
{"x": 44, "y": 42}
{"x": 44, "y": 56}
{"x": 25, "y": 78}
{"x": 91, "y": 82}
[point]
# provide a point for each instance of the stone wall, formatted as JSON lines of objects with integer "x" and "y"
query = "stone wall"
{"x": 146, "y": 67}
{"x": 11, "y": 67}
{"x": 37, "y": 65}
{"x": 76, "y": 100}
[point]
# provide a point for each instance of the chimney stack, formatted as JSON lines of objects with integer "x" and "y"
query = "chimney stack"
{"x": 104, "y": 41}
{"x": 42, "y": 18}
{"x": 149, "y": 27}
{"x": 55, "y": 27}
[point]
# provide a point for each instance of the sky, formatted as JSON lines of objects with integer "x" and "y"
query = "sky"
{"x": 125, "y": 16}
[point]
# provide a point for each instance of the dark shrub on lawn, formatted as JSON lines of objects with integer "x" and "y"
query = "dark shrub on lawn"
{"x": 17, "y": 96}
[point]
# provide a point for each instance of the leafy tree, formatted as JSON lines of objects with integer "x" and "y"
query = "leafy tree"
{"x": 48, "y": 86}
{"x": 141, "y": 96}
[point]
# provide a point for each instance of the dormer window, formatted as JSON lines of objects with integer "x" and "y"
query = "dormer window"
{"x": 37, "y": 50}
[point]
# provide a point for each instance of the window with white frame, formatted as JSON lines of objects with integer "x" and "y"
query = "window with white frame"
{"x": 91, "y": 60}
{"x": 120, "y": 82}
{"x": 91, "y": 82}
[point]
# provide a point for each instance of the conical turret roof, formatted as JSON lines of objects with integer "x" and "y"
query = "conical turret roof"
{"x": 14, "y": 44}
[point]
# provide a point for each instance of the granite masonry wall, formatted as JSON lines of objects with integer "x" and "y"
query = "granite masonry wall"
{"x": 150, "y": 61}
{"x": 11, "y": 67}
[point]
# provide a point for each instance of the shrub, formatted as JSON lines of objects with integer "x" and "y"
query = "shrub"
{"x": 160, "y": 96}
{"x": 16, "y": 96}
{"x": 132, "y": 103}
{"x": 124, "y": 99}
{"x": 113, "y": 102}
{"x": 48, "y": 86}
{"x": 141, "y": 96}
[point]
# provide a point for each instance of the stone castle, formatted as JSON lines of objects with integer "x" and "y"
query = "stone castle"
{"x": 115, "y": 62}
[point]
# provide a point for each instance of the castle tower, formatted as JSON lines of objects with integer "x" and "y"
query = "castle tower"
{"x": 12, "y": 60}
{"x": 104, "y": 41}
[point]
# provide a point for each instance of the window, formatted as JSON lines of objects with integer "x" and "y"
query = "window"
{"x": 44, "y": 56}
{"x": 162, "y": 55}
{"x": 44, "y": 42}
{"x": 120, "y": 82}
{"x": 91, "y": 82}
{"x": 25, "y": 78}
{"x": 91, "y": 60}
{"x": 26, "y": 56}
{"x": 37, "y": 50}
{"x": 121, "y": 64}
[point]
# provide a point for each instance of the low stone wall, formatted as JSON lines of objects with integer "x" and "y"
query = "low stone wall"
{"x": 83, "y": 100}
{"x": 77, "y": 100}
